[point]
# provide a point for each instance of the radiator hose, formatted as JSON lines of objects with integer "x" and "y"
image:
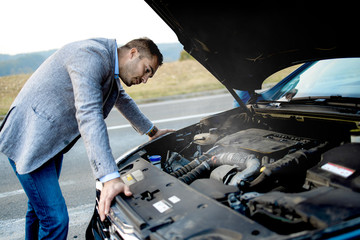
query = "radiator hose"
{"x": 196, "y": 162}
{"x": 247, "y": 165}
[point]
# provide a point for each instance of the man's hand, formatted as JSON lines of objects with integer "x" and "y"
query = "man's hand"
{"x": 109, "y": 191}
{"x": 161, "y": 132}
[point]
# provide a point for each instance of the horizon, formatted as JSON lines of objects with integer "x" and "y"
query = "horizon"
{"x": 29, "y": 62}
{"x": 54, "y": 49}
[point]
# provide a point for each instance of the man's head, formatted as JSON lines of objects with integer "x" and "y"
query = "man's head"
{"x": 138, "y": 61}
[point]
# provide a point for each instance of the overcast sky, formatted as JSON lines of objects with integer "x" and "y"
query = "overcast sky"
{"x": 37, "y": 25}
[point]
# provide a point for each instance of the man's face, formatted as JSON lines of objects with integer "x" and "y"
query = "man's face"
{"x": 136, "y": 70}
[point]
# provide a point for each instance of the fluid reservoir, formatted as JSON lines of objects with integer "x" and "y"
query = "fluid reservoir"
{"x": 155, "y": 160}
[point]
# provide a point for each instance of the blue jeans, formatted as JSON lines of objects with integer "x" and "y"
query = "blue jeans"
{"x": 47, "y": 216}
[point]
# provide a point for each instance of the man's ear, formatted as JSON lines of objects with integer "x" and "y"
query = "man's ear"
{"x": 133, "y": 53}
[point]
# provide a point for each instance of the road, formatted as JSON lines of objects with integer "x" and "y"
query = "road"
{"x": 77, "y": 181}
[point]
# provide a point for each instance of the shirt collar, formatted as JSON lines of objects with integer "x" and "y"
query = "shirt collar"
{"x": 116, "y": 71}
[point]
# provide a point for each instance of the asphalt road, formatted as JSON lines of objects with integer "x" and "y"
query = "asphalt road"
{"x": 77, "y": 181}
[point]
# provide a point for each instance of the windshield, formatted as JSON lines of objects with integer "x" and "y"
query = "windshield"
{"x": 334, "y": 77}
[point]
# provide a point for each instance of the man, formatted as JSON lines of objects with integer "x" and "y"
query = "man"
{"x": 69, "y": 96}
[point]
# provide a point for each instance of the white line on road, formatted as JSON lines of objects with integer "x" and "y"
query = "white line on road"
{"x": 194, "y": 99}
{"x": 12, "y": 193}
{"x": 166, "y": 120}
{"x": 174, "y": 101}
{"x": 21, "y": 191}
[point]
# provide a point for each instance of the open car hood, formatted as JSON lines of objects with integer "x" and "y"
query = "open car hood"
{"x": 242, "y": 44}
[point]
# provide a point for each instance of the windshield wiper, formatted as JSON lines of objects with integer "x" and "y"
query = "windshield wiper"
{"x": 318, "y": 100}
{"x": 326, "y": 99}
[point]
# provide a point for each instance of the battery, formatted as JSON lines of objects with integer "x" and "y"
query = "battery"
{"x": 339, "y": 167}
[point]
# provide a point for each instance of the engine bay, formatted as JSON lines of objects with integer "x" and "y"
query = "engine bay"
{"x": 306, "y": 179}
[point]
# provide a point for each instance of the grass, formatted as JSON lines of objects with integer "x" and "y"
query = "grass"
{"x": 172, "y": 78}
{"x": 175, "y": 78}
{"x": 9, "y": 88}
{"x": 278, "y": 76}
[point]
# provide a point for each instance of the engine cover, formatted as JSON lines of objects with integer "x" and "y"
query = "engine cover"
{"x": 264, "y": 142}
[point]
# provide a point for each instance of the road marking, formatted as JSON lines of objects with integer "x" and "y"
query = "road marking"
{"x": 166, "y": 120}
{"x": 195, "y": 99}
{"x": 21, "y": 191}
{"x": 174, "y": 101}
{"x": 12, "y": 193}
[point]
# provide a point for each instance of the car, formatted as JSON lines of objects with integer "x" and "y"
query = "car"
{"x": 285, "y": 163}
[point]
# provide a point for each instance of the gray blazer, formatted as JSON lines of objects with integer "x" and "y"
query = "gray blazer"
{"x": 69, "y": 94}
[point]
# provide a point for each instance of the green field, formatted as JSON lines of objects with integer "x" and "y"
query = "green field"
{"x": 172, "y": 78}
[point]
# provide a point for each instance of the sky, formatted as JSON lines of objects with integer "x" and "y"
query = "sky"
{"x": 40, "y": 25}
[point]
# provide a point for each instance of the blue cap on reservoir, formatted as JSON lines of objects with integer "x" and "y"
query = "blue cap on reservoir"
{"x": 155, "y": 158}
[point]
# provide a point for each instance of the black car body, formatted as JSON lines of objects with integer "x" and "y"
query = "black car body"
{"x": 284, "y": 166}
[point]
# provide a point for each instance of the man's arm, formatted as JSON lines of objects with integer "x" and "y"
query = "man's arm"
{"x": 86, "y": 70}
{"x": 86, "y": 73}
{"x": 113, "y": 185}
{"x": 109, "y": 191}
{"x": 128, "y": 108}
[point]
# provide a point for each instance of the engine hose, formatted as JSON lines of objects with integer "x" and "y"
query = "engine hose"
{"x": 286, "y": 169}
{"x": 290, "y": 165}
{"x": 195, "y": 173}
{"x": 239, "y": 159}
{"x": 185, "y": 169}
{"x": 246, "y": 162}
{"x": 257, "y": 181}
{"x": 252, "y": 167}
{"x": 196, "y": 162}
{"x": 247, "y": 165}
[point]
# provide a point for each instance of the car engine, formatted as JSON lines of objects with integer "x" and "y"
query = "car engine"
{"x": 265, "y": 174}
{"x": 286, "y": 174}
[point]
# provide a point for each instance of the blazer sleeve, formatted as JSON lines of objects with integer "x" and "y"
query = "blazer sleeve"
{"x": 87, "y": 68}
{"x": 128, "y": 108}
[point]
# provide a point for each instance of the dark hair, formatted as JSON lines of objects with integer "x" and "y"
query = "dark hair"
{"x": 146, "y": 47}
